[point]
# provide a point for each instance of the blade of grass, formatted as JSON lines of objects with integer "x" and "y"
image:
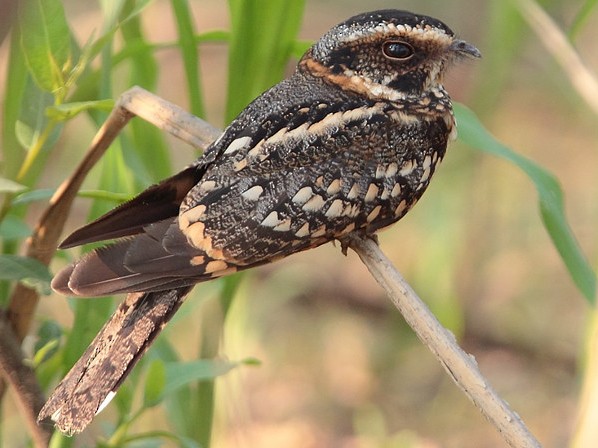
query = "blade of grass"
{"x": 557, "y": 43}
{"x": 147, "y": 141}
{"x": 262, "y": 38}
{"x": 581, "y": 18}
{"x": 189, "y": 53}
{"x": 473, "y": 133}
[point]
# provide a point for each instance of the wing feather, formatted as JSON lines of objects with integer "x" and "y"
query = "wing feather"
{"x": 157, "y": 203}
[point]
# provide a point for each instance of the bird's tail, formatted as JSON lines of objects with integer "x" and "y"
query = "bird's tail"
{"x": 94, "y": 379}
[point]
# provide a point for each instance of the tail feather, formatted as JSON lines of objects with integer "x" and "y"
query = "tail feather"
{"x": 94, "y": 379}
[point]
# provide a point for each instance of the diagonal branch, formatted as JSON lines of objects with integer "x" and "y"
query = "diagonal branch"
{"x": 460, "y": 366}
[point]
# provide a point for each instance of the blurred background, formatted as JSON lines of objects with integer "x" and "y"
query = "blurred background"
{"x": 338, "y": 365}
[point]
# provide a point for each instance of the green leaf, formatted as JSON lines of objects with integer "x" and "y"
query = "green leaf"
{"x": 104, "y": 195}
{"x": 46, "y": 42}
{"x": 27, "y": 271}
{"x": 41, "y": 194}
{"x": 32, "y": 120}
{"x": 179, "y": 374}
{"x": 10, "y": 186}
{"x": 13, "y": 228}
{"x": 48, "y": 338}
{"x": 66, "y": 111}
{"x": 473, "y": 133}
{"x": 154, "y": 384}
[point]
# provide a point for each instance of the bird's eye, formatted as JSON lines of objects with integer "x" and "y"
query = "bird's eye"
{"x": 393, "y": 49}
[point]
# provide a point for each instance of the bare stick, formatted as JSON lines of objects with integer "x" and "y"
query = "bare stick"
{"x": 557, "y": 43}
{"x": 460, "y": 366}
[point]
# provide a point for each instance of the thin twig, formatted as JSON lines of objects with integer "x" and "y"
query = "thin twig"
{"x": 21, "y": 378}
{"x": 460, "y": 366}
{"x": 556, "y": 42}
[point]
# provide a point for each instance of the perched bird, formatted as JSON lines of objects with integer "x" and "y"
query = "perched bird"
{"x": 348, "y": 143}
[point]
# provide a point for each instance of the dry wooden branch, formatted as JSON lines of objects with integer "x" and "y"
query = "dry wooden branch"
{"x": 460, "y": 366}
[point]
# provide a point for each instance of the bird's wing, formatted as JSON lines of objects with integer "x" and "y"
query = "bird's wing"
{"x": 155, "y": 204}
{"x": 297, "y": 184}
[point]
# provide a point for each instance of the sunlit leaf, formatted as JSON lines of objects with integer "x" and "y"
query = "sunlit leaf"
{"x": 46, "y": 42}
{"x": 10, "y": 186}
{"x": 66, "y": 111}
{"x": 179, "y": 374}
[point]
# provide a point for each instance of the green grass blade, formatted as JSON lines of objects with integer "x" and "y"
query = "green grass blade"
{"x": 581, "y": 18}
{"x": 16, "y": 80}
{"x": 473, "y": 133}
{"x": 262, "y": 38}
{"x": 147, "y": 141}
{"x": 189, "y": 53}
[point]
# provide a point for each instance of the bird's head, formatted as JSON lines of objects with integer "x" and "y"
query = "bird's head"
{"x": 387, "y": 54}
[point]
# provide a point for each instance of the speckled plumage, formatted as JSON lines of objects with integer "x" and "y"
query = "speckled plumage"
{"x": 348, "y": 143}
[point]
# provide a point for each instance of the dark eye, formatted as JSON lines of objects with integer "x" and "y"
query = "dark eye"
{"x": 393, "y": 49}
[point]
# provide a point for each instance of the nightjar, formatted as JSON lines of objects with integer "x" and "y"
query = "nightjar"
{"x": 348, "y": 143}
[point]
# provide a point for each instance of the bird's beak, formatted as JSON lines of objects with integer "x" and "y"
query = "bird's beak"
{"x": 463, "y": 48}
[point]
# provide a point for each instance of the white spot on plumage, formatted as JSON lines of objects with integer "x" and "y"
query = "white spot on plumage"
{"x": 374, "y": 213}
{"x": 303, "y": 195}
{"x": 314, "y": 204}
{"x": 320, "y": 231}
{"x": 392, "y": 169}
{"x": 207, "y": 186}
{"x": 348, "y": 229}
{"x": 354, "y": 191}
{"x": 427, "y": 162}
{"x": 239, "y": 165}
{"x": 425, "y": 175}
{"x": 351, "y": 210}
{"x": 372, "y": 193}
{"x": 401, "y": 208}
{"x": 271, "y": 220}
{"x": 237, "y": 144}
{"x": 335, "y": 209}
{"x": 283, "y": 226}
{"x": 253, "y": 193}
{"x": 396, "y": 190}
{"x": 191, "y": 215}
{"x": 408, "y": 167}
{"x": 215, "y": 266}
{"x": 334, "y": 187}
{"x": 303, "y": 231}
